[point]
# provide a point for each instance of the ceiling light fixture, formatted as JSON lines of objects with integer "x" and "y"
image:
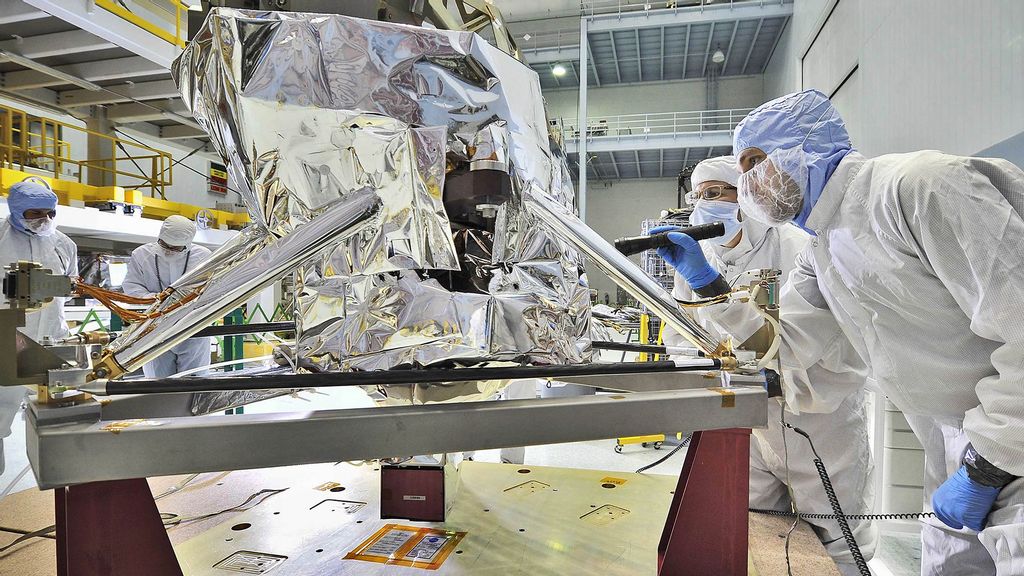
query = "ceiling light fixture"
{"x": 558, "y": 70}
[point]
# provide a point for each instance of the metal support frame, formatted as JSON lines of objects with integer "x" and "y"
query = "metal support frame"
{"x": 65, "y": 453}
{"x": 706, "y": 531}
{"x": 581, "y": 123}
{"x": 108, "y": 528}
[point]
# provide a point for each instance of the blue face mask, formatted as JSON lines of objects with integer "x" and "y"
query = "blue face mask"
{"x": 707, "y": 211}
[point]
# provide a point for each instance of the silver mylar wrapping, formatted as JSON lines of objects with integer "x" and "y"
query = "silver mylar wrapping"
{"x": 309, "y": 108}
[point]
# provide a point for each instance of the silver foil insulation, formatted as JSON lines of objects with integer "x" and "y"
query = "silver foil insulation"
{"x": 446, "y": 131}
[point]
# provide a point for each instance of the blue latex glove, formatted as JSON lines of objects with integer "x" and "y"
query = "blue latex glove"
{"x": 961, "y": 501}
{"x": 687, "y": 258}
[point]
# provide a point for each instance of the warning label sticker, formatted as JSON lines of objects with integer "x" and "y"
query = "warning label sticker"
{"x": 425, "y": 548}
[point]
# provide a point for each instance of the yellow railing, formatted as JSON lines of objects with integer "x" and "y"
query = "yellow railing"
{"x": 28, "y": 141}
{"x": 174, "y": 9}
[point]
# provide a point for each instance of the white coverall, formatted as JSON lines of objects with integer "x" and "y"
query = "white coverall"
{"x": 58, "y": 253}
{"x": 150, "y": 272}
{"x": 839, "y": 434}
{"x": 919, "y": 257}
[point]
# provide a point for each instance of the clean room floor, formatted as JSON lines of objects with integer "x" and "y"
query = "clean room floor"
{"x": 899, "y": 552}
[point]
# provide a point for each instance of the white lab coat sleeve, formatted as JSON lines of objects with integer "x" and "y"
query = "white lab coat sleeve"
{"x": 963, "y": 219}
{"x": 140, "y": 267}
{"x": 813, "y": 347}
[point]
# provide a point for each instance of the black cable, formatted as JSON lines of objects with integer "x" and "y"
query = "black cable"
{"x": 171, "y": 519}
{"x": 151, "y": 181}
{"x": 41, "y": 533}
{"x": 685, "y": 442}
{"x": 893, "y": 516}
{"x": 833, "y": 500}
{"x": 185, "y": 166}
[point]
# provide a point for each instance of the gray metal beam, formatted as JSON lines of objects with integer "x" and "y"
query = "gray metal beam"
{"x": 639, "y": 57}
{"x": 13, "y": 12}
{"x": 551, "y": 54}
{"x": 686, "y": 52}
{"x": 732, "y": 40}
{"x": 615, "y": 167}
{"x": 615, "y": 57}
{"x": 753, "y": 42}
{"x": 630, "y": 142}
{"x": 661, "y": 75}
{"x": 98, "y": 71}
{"x": 67, "y": 454}
{"x": 639, "y": 168}
{"x": 86, "y": 16}
{"x": 707, "y": 51}
{"x": 56, "y": 44}
{"x": 122, "y": 93}
{"x": 661, "y": 164}
{"x": 131, "y": 112}
{"x": 706, "y": 14}
{"x": 181, "y": 132}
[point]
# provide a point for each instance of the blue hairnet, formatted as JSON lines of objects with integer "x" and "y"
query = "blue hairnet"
{"x": 806, "y": 119}
{"x": 29, "y": 196}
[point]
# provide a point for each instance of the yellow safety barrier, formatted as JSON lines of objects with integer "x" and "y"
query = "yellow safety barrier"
{"x": 70, "y": 192}
{"x": 36, "y": 142}
{"x": 178, "y": 15}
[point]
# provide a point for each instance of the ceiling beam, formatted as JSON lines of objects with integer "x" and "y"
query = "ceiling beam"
{"x": 661, "y": 164}
{"x": 121, "y": 93}
{"x": 639, "y": 59}
{"x": 728, "y": 51}
{"x": 639, "y": 170}
{"x": 686, "y": 52}
{"x": 97, "y": 71}
{"x": 753, "y": 42}
{"x": 703, "y": 13}
{"x": 132, "y": 112}
{"x": 12, "y": 12}
{"x": 56, "y": 44}
{"x": 615, "y": 57}
{"x": 86, "y": 16}
{"x": 181, "y": 132}
{"x": 707, "y": 51}
{"x": 661, "y": 76}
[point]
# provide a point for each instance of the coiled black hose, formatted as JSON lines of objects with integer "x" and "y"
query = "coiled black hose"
{"x": 833, "y": 500}
{"x": 895, "y": 516}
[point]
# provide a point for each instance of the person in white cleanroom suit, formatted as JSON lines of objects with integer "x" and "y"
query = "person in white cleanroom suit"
{"x": 155, "y": 266}
{"x": 839, "y": 434}
{"x": 30, "y": 234}
{"x": 918, "y": 258}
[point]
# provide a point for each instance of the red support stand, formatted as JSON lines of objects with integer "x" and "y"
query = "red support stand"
{"x": 706, "y": 529}
{"x": 111, "y": 529}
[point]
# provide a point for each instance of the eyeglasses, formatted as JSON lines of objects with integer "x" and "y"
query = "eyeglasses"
{"x": 710, "y": 193}
{"x": 169, "y": 247}
{"x": 34, "y": 213}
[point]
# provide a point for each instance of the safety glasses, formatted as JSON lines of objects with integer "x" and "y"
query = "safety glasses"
{"x": 715, "y": 192}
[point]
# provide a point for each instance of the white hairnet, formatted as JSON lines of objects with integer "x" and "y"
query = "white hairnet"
{"x": 721, "y": 168}
{"x": 772, "y": 192}
{"x": 177, "y": 231}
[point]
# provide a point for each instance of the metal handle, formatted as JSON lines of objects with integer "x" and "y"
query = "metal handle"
{"x": 637, "y": 244}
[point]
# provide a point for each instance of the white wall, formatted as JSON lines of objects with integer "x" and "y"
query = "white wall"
{"x": 942, "y": 74}
{"x": 616, "y": 209}
{"x": 678, "y": 96}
